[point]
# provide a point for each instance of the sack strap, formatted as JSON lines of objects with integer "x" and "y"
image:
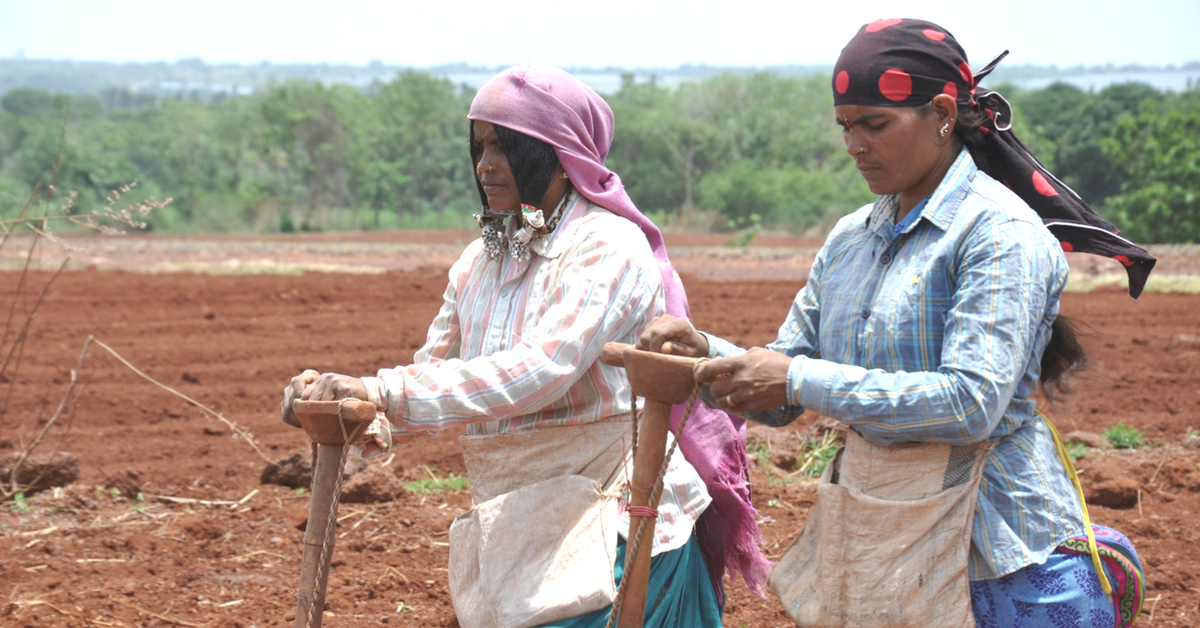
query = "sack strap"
{"x": 1087, "y": 522}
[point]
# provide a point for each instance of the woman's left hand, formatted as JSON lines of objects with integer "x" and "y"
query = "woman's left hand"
{"x": 332, "y": 386}
{"x": 751, "y": 382}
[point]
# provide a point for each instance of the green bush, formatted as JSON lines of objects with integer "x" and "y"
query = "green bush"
{"x": 788, "y": 196}
{"x": 1124, "y": 436}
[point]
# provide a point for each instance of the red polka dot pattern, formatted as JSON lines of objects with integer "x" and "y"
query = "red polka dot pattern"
{"x": 1124, "y": 260}
{"x": 878, "y": 25}
{"x": 895, "y": 85}
{"x": 1067, "y": 246}
{"x": 1042, "y": 185}
{"x": 965, "y": 70}
{"x": 934, "y": 35}
{"x": 843, "y": 82}
{"x": 951, "y": 90}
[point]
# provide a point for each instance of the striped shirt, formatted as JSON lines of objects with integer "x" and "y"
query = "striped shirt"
{"x": 936, "y": 334}
{"x": 517, "y": 344}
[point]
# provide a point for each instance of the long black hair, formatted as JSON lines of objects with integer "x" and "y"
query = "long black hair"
{"x": 532, "y": 161}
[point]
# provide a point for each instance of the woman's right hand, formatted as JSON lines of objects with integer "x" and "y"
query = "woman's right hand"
{"x": 674, "y": 336}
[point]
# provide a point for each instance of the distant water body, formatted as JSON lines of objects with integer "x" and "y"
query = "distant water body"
{"x": 610, "y": 82}
{"x": 1173, "y": 81}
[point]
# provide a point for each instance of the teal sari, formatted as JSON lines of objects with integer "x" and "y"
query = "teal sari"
{"x": 679, "y": 594}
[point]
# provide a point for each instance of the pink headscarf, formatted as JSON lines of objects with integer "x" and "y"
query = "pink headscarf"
{"x": 547, "y": 103}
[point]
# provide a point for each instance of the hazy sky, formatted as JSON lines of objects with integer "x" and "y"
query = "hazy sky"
{"x": 644, "y": 33}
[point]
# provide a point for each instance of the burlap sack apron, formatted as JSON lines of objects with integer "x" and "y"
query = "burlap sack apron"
{"x": 541, "y": 541}
{"x": 886, "y": 543}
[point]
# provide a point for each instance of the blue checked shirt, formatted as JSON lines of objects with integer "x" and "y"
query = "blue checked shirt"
{"x": 935, "y": 333}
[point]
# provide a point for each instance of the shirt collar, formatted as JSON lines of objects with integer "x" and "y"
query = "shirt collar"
{"x": 943, "y": 203}
{"x": 553, "y": 244}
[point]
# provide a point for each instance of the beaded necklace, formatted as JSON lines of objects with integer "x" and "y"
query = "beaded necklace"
{"x": 533, "y": 229}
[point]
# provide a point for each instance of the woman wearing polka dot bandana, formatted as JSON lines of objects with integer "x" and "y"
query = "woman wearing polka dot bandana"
{"x": 927, "y": 324}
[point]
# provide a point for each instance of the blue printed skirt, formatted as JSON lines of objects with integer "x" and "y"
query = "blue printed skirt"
{"x": 1065, "y": 592}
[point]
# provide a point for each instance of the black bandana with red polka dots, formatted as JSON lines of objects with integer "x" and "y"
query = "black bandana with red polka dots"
{"x": 905, "y": 63}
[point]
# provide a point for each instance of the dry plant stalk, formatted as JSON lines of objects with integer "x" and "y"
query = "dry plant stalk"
{"x": 62, "y": 406}
{"x": 238, "y": 430}
{"x": 107, "y": 220}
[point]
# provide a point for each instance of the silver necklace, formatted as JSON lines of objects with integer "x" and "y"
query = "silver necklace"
{"x": 533, "y": 229}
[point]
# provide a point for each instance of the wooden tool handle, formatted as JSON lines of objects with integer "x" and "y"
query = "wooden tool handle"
{"x": 333, "y": 422}
{"x": 662, "y": 380}
{"x": 613, "y": 353}
{"x": 655, "y": 376}
{"x": 349, "y": 409}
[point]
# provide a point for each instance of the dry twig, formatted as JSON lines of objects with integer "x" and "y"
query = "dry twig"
{"x": 1154, "y": 603}
{"x": 161, "y": 617}
{"x": 13, "y": 488}
{"x": 238, "y": 431}
{"x": 190, "y": 500}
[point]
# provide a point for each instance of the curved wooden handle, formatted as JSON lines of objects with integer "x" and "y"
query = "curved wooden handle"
{"x": 613, "y": 353}
{"x": 655, "y": 376}
{"x": 331, "y": 422}
{"x": 350, "y": 409}
{"x": 663, "y": 380}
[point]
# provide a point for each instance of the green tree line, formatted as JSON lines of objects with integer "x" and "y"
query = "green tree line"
{"x": 732, "y": 152}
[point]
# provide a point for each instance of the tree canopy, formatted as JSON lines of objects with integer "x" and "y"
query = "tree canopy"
{"x": 726, "y": 153}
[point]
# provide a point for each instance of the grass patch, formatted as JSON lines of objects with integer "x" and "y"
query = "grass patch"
{"x": 19, "y": 504}
{"x": 437, "y": 484}
{"x": 815, "y": 454}
{"x": 1124, "y": 436}
{"x": 1075, "y": 451}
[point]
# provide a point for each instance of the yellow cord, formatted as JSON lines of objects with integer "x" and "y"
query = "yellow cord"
{"x": 1087, "y": 522}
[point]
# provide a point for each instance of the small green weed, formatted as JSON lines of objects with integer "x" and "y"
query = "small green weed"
{"x": 299, "y": 490}
{"x": 760, "y": 453}
{"x": 19, "y": 504}
{"x": 1076, "y": 450}
{"x": 815, "y": 454}
{"x": 1124, "y": 436}
{"x": 436, "y": 484}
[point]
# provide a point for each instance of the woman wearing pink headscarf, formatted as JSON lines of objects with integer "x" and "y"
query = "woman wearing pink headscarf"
{"x": 566, "y": 263}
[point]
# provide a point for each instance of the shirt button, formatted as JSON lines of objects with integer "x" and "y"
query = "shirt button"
{"x": 504, "y": 292}
{"x": 885, "y": 258}
{"x": 866, "y": 313}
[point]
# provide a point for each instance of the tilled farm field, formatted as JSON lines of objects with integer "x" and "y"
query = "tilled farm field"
{"x": 170, "y": 523}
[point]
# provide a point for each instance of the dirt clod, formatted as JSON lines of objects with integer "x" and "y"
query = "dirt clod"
{"x": 295, "y": 471}
{"x": 1088, "y": 439}
{"x": 39, "y": 472}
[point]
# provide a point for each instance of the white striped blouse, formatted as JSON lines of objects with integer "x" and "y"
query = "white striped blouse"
{"x": 517, "y": 344}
